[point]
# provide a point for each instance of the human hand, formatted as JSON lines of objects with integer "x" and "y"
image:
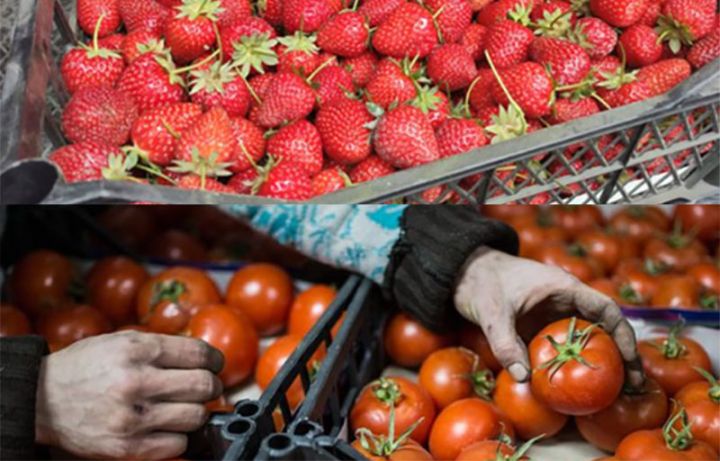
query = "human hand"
{"x": 495, "y": 290}
{"x": 126, "y": 395}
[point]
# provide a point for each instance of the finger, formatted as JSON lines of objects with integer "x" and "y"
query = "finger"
{"x": 181, "y": 385}
{"x": 160, "y": 445}
{"x": 184, "y": 352}
{"x": 499, "y": 328}
{"x": 173, "y": 417}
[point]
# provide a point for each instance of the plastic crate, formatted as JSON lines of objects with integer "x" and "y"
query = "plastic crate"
{"x": 658, "y": 150}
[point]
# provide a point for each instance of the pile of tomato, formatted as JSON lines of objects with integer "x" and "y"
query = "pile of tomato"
{"x": 640, "y": 256}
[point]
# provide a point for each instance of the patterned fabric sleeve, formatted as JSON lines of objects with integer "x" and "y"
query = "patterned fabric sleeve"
{"x": 357, "y": 238}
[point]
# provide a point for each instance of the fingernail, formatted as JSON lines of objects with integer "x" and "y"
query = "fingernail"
{"x": 518, "y": 371}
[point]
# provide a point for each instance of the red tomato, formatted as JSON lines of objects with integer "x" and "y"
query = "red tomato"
{"x": 40, "y": 282}
{"x": 640, "y": 222}
{"x": 463, "y": 423}
{"x": 473, "y": 338}
{"x": 508, "y": 212}
{"x": 535, "y": 231}
{"x": 680, "y": 291}
{"x": 176, "y": 245}
{"x": 581, "y": 374}
{"x": 529, "y": 417}
{"x": 409, "y": 450}
{"x": 13, "y": 322}
{"x": 642, "y": 277}
{"x": 677, "y": 251}
{"x": 113, "y": 285}
{"x": 603, "y": 247}
{"x": 632, "y": 411}
{"x": 488, "y": 450}
{"x": 700, "y": 220}
{"x": 707, "y": 275}
{"x": 571, "y": 259}
{"x": 232, "y": 334}
{"x": 408, "y": 343}
{"x": 167, "y": 300}
{"x": 455, "y": 373}
{"x": 701, "y": 401}
{"x": 308, "y": 307}
{"x": 372, "y": 408}
{"x": 265, "y": 293}
{"x": 622, "y": 294}
{"x": 671, "y": 360}
{"x": 131, "y": 225}
{"x": 577, "y": 219}
{"x": 64, "y": 326}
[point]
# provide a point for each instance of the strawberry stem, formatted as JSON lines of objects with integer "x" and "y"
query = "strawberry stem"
{"x": 96, "y": 33}
{"x": 501, "y": 83}
{"x": 319, "y": 68}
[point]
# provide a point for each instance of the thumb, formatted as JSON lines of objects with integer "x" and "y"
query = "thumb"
{"x": 505, "y": 343}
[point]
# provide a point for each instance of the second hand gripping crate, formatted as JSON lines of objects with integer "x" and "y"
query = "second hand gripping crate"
{"x": 658, "y": 150}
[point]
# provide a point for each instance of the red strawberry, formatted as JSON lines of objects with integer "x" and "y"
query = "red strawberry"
{"x": 451, "y": 67}
{"x": 249, "y": 43}
{"x": 595, "y": 36}
{"x": 194, "y": 182}
{"x": 604, "y": 67}
{"x": 529, "y": 85}
{"x": 143, "y": 14}
{"x": 377, "y": 11}
{"x": 139, "y": 42}
{"x": 434, "y": 104}
{"x": 408, "y": 32}
{"x": 622, "y": 88}
{"x": 251, "y": 143}
{"x": 344, "y": 130}
{"x": 155, "y": 133}
{"x": 89, "y": 13}
{"x": 508, "y": 43}
{"x": 664, "y": 75}
{"x": 345, "y": 34}
{"x": 152, "y": 81}
{"x": 457, "y": 136}
{"x": 332, "y": 83}
{"x": 391, "y": 84}
{"x": 329, "y": 180}
{"x": 361, "y": 68}
{"x": 485, "y": 114}
{"x": 652, "y": 13}
{"x": 173, "y": 4}
{"x": 566, "y": 109}
{"x": 84, "y": 161}
{"x": 553, "y": 18}
{"x": 568, "y": 62}
{"x": 271, "y": 11}
{"x": 298, "y": 53}
{"x": 473, "y": 39}
{"x": 683, "y": 22}
{"x": 705, "y": 50}
{"x": 208, "y": 146}
{"x": 99, "y": 114}
{"x": 481, "y": 95}
{"x": 232, "y": 10}
{"x": 288, "y": 98}
{"x": 370, "y": 169}
{"x": 190, "y": 33}
{"x": 114, "y": 42}
{"x": 286, "y": 180}
{"x": 641, "y": 45}
{"x": 499, "y": 11}
{"x": 455, "y": 17}
{"x": 308, "y": 15}
{"x": 245, "y": 182}
{"x": 404, "y": 138}
{"x": 300, "y": 143}
{"x": 219, "y": 86}
{"x": 619, "y": 13}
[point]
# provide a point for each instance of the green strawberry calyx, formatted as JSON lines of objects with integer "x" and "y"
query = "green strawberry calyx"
{"x": 254, "y": 52}
{"x": 137, "y": 158}
{"x": 94, "y": 51}
{"x": 154, "y": 46}
{"x": 427, "y": 99}
{"x": 119, "y": 168}
{"x": 194, "y": 9}
{"x": 300, "y": 41}
{"x": 521, "y": 14}
{"x": 510, "y": 122}
{"x": 553, "y": 24}
{"x": 201, "y": 166}
{"x": 212, "y": 79}
{"x": 582, "y": 7}
{"x": 675, "y": 33}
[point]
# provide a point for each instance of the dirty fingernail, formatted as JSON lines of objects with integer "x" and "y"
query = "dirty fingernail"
{"x": 518, "y": 371}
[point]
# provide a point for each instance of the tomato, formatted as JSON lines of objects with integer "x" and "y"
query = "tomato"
{"x": 232, "y": 334}
{"x": 408, "y": 343}
{"x": 622, "y": 294}
{"x": 678, "y": 252}
{"x": 633, "y": 410}
{"x": 113, "y": 285}
{"x": 529, "y": 417}
{"x": 571, "y": 259}
{"x": 40, "y": 282}
{"x": 272, "y": 360}
{"x": 463, "y": 423}
{"x": 701, "y": 220}
{"x": 642, "y": 277}
{"x": 577, "y": 219}
{"x": 508, "y": 212}
{"x": 680, "y": 291}
{"x": 581, "y": 374}
{"x": 372, "y": 408}
{"x": 409, "y": 450}
{"x": 707, "y": 275}
{"x": 455, "y": 373}
{"x": 535, "y": 231}
{"x": 670, "y": 360}
{"x": 176, "y": 245}
{"x": 265, "y": 293}
{"x": 64, "y": 326}
{"x": 488, "y": 450}
{"x": 131, "y": 225}
{"x": 167, "y": 300}
{"x": 701, "y": 401}
{"x": 473, "y": 338}
{"x": 13, "y": 322}
{"x": 602, "y": 246}
{"x": 640, "y": 222}
{"x": 308, "y": 307}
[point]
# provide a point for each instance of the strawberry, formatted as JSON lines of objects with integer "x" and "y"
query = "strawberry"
{"x": 508, "y": 43}
{"x": 288, "y": 98}
{"x": 85, "y": 66}
{"x": 481, "y": 95}
{"x": 683, "y": 22}
{"x": 404, "y": 138}
{"x": 478, "y": 5}
{"x": 285, "y": 180}
{"x": 114, "y": 42}
{"x": 245, "y": 182}
{"x": 566, "y": 109}
{"x": 553, "y": 18}
{"x": 308, "y": 15}
{"x": 641, "y": 45}
{"x": 172, "y": 4}
{"x": 85, "y": 161}
{"x": 619, "y": 13}
{"x": 271, "y": 11}
{"x": 361, "y": 68}
{"x": 249, "y": 43}
{"x": 433, "y": 103}
{"x": 451, "y": 67}
{"x": 332, "y": 83}
{"x": 705, "y": 50}
{"x": 485, "y": 114}
{"x": 139, "y": 42}
{"x": 370, "y": 169}
{"x": 622, "y": 88}
{"x": 194, "y": 182}
{"x": 664, "y": 75}
{"x": 595, "y": 36}
{"x": 99, "y": 114}
{"x": 298, "y": 142}
{"x": 345, "y": 131}
{"x": 345, "y": 34}
{"x": 391, "y": 84}
{"x": 89, "y": 13}
{"x": 652, "y": 13}
{"x": 529, "y": 85}
{"x": 155, "y": 133}
{"x": 191, "y": 32}
{"x": 329, "y": 180}
{"x": 232, "y": 10}
{"x": 473, "y": 39}
{"x": 457, "y": 136}
{"x": 607, "y": 66}
{"x": 220, "y": 86}
{"x": 143, "y": 14}
{"x": 298, "y": 53}
{"x": 208, "y": 146}
{"x": 501, "y": 10}
{"x": 377, "y": 11}
{"x": 567, "y": 61}
{"x": 152, "y": 81}
{"x": 251, "y": 142}
{"x": 408, "y": 32}
{"x": 452, "y": 17}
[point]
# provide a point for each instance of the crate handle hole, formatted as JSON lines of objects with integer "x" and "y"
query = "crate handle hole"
{"x": 303, "y": 428}
{"x": 248, "y": 409}
{"x": 239, "y": 427}
{"x": 279, "y": 442}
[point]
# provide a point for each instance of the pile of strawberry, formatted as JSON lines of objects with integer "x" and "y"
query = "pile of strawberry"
{"x": 297, "y": 98}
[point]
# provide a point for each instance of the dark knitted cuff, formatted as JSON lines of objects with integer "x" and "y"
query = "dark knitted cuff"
{"x": 434, "y": 244}
{"x": 21, "y": 358}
